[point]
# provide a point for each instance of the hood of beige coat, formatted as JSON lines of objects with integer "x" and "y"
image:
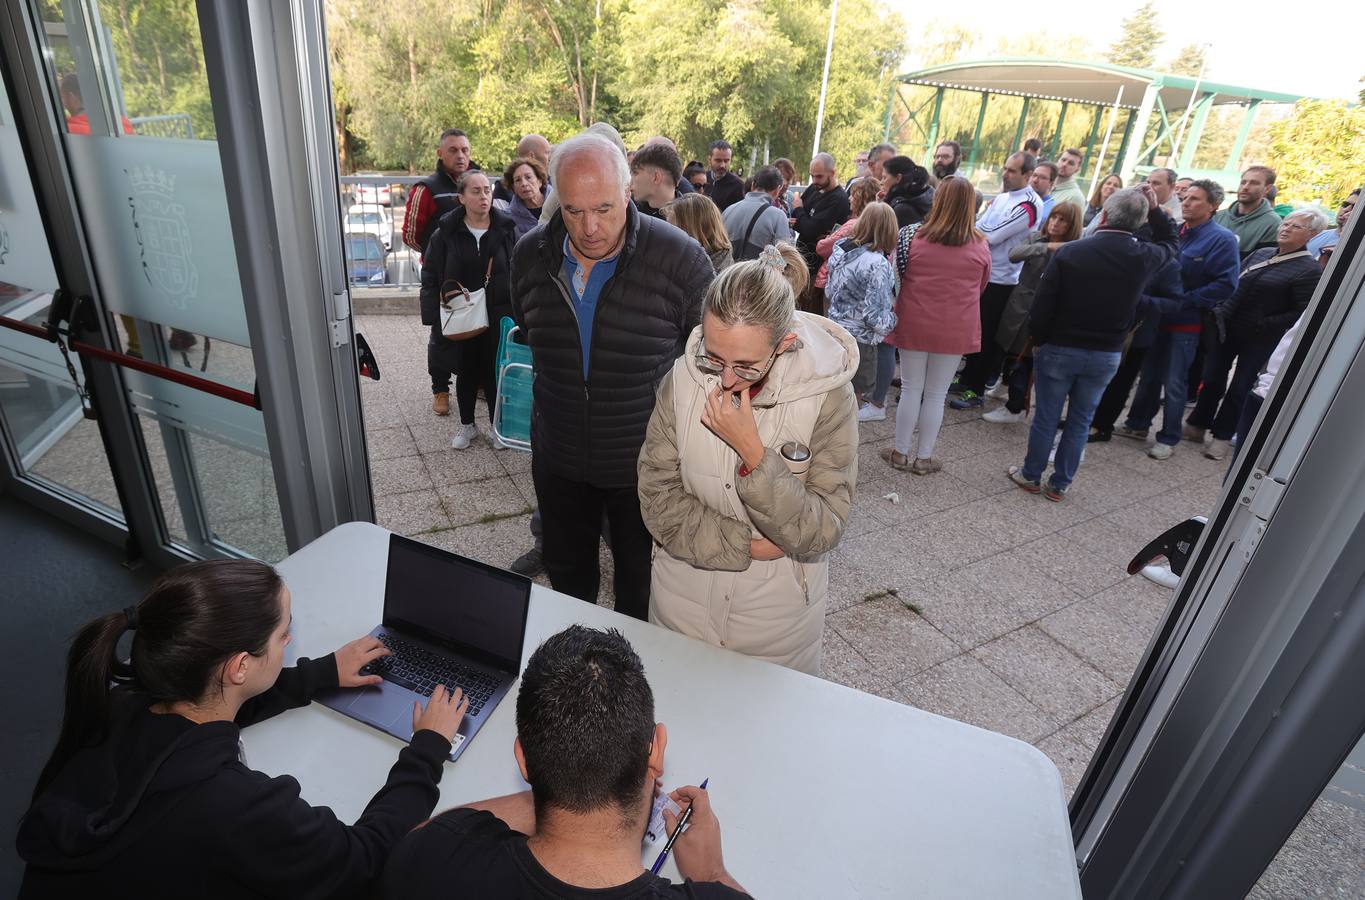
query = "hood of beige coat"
{"x": 824, "y": 357}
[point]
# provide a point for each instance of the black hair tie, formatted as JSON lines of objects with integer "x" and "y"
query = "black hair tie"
{"x": 130, "y": 613}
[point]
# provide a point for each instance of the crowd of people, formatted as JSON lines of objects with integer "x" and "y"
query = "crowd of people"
{"x": 707, "y": 346}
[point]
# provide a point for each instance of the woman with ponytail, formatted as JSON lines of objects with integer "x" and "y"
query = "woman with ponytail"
{"x": 748, "y": 467}
{"x": 147, "y": 794}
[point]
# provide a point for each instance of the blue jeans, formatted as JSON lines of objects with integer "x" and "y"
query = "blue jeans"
{"x": 886, "y": 370}
{"x": 1062, "y": 374}
{"x": 1167, "y": 365}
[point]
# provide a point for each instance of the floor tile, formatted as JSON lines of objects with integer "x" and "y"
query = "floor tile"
{"x": 964, "y": 689}
{"x": 1052, "y": 677}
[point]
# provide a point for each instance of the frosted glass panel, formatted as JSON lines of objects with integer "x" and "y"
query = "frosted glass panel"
{"x": 157, "y": 219}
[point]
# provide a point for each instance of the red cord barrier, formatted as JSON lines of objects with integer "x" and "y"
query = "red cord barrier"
{"x": 236, "y": 395}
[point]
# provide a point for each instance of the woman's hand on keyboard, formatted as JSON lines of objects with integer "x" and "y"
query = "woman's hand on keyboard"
{"x": 444, "y": 712}
{"x": 355, "y": 656}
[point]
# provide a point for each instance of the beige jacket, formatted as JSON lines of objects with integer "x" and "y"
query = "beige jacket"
{"x": 703, "y": 514}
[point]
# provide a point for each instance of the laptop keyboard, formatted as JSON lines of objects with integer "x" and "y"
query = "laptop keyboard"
{"x": 420, "y": 670}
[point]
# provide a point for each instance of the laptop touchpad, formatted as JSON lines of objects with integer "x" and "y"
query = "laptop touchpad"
{"x": 385, "y": 708}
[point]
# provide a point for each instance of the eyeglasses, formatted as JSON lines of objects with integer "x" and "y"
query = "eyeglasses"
{"x": 744, "y": 373}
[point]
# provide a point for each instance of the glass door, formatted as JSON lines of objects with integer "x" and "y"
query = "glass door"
{"x": 209, "y": 306}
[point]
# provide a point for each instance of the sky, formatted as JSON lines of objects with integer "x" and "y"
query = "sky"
{"x": 1258, "y": 44}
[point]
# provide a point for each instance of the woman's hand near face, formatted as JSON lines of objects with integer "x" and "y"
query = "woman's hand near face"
{"x": 734, "y": 423}
{"x": 355, "y": 656}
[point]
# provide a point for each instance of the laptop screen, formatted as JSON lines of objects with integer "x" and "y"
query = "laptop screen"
{"x": 457, "y": 601}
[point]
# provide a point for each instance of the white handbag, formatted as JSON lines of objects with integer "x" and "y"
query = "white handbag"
{"x": 464, "y": 313}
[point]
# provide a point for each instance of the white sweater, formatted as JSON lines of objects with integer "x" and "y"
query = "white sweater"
{"x": 1272, "y": 368}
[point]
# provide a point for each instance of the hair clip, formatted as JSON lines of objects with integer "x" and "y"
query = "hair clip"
{"x": 773, "y": 257}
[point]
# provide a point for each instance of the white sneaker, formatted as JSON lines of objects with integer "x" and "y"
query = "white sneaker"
{"x": 1003, "y": 416}
{"x": 1000, "y": 392}
{"x": 1217, "y": 449}
{"x": 464, "y": 435}
{"x": 497, "y": 442}
{"x": 871, "y": 413}
{"x": 1160, "y": 451}
{"x": 1160, "y": 573}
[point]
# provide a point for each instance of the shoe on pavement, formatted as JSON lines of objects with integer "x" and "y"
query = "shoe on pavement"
{"x": 440, "y": 403}
{"x": 871, "y": 412}
{"x": 497, "y": 442}
{"x": 1000, "y": 392}
{"x": 956, "y": 387}
{"x": 895, "y": 459}
{"x": 968, "y": 400}
{"x": 1003, "y": 416}
{"x": 1016, "y": 474}
{"x": 1160, "y": 451}
{"x": 464, "y": 436}
{"x": 1098, "y": 437}
{"x": 1054, "y": 493}
{"x": 1191, "y": 433}
{"x": 1160, "y": 573}
{"x": 531, "y": 563}
{"x": 1137, "y": 434}
{"x": 926, "y": 466}
{"x": 1217, "y": 449}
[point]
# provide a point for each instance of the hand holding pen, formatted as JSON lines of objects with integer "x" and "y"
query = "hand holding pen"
{"x": 699, "y": 850}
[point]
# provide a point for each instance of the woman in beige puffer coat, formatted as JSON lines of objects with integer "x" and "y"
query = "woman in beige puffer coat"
{"x": 743, "y": 533}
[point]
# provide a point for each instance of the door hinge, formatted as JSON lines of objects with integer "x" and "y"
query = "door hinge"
{"x": 341, "y": 334}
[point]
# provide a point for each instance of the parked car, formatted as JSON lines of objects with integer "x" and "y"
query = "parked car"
{"x": 371, "y": 193}
{"x": 365, "y": 259}
{"x": 375, "y": 220}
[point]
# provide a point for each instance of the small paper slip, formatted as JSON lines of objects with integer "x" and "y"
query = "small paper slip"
{"x": 656, "y": 835}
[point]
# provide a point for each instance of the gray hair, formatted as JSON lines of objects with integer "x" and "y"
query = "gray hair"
{"x": 1126, "y": 210}
{"x": 1212, "y": 190}
{"x": 596, "y": 146}
{"x": 824, "y": 159}
{"x": 1170, "y": 174}
{"x": 1316, "y": 218}
{"x": 881, "y": 148}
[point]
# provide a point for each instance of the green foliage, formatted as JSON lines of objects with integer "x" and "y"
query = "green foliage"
{"x": 1189, "y": 61}
{"x": 1317, "y": 152}
{"x": 1138, "y": 43}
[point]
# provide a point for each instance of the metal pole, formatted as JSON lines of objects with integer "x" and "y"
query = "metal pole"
{"x": 824, "y": 79}
{"x": 1108, "y": 133}
{"x": 1194, "y": 98}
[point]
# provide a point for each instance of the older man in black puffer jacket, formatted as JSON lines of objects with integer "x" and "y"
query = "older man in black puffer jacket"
{"x": 606, "y": 298}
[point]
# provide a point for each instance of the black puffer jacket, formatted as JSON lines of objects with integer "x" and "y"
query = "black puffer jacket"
{"x": 592, "y": 431}
{"x": 454, "y": 256}
{"x": 1270, "y": 296}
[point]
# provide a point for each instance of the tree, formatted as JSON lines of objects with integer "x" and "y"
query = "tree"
{"x": 1138, "y": 43}
{"x": 1316, "y": 151}
{"x": 1189, "y": 61}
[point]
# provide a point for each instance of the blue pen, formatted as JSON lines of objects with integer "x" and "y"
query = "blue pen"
{"x": 682, "y": 823}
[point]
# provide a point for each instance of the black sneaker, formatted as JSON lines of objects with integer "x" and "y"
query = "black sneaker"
{"x": 956, "y": 387}
{"x": 530, "y": 563}
{"x": 1098, "y": 435}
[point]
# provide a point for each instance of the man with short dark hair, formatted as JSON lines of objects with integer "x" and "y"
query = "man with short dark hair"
{"x": 1252, "y": 218}
{"x": 1006, "y": 223}
{"x": 589, "y": 747}
{"x": 1163, "y": 182}
{"x": 757, "y": 221}
{"x": 1086, "y": 305}
{"x": 722, "y": 186}
{"x": 606, "y": 298}
{"x": 1043, "y": 177}
{"x": 1066, "y": 189}
{"x": 655, "y": 172}
{"x": 821, "y": 208}
{"x": 876, "y": 158}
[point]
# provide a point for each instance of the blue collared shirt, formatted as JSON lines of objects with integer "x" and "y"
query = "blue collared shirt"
{"x": 585, "y": 293}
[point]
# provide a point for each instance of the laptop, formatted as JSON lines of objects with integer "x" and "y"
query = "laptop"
{"x": 447, "y": 620}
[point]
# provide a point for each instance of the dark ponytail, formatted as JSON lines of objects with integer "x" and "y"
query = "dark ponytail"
{"x": 194, "y": 618}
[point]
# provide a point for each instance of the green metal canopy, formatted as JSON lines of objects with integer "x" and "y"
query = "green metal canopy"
{"x": 1181, "y": 103}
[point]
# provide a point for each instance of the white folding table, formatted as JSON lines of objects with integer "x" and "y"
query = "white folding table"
{"x": 822, "y": 791}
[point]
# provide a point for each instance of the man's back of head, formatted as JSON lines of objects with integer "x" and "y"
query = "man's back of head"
{"x": 1125, "y": 210}
{"x": 767, "y": 179}
{"x": 585, "y": 725}
{"x": 535, "y": 146}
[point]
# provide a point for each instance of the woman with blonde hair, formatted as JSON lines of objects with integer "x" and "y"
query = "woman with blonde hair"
{"x": 863, "y": 192}
{"x": 861, "y": 291}
{"x": 944, "y": 265}
{"x": 748, "y": 467}
{"x": 698, "y": 216}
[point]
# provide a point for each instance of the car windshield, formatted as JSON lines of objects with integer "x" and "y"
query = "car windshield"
{"x": 364, "y": 248}
{"x": 369, "y": 218}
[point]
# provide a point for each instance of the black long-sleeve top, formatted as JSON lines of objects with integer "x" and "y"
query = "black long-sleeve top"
{"x": 165, "y": 807}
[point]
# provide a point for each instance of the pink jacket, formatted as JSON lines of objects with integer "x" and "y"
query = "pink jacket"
{"x": 825, "y": 246}
{"x": 938, "y": 307}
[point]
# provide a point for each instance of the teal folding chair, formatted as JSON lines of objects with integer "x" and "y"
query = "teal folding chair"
{"x": 512, "y": 411}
